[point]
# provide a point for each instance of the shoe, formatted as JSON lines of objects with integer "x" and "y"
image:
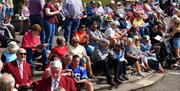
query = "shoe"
{"x": 140, "y": 74}
{"x": 92, "y": 76}
{"x": 121, "y": 78}
{"x": 111, "y": 82}
{"x": 125, "y": 77}
{"x": 117, "y": 81}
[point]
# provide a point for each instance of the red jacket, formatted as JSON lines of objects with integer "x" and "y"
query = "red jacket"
{"x": 65, "y": 82}
{"x": 13, "y": 69}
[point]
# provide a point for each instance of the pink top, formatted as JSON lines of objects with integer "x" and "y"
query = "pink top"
{"x": 29, "y": 40}
{"x": 25, "y": 11}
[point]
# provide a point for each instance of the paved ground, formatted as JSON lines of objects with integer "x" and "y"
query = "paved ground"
{"x": 170, "y": 82}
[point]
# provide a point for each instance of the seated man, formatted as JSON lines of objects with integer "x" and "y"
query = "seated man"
{"x": 113, "y": 33}
{"x": 120, "y": 62}
{"x": 56, "y": 79}
{"x": 101, "y": 57}
{"x": 20, "y": 70}
{"x": 80, "y": 73}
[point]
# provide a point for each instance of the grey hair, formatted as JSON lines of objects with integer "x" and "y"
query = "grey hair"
{"x": 7, "y": 82}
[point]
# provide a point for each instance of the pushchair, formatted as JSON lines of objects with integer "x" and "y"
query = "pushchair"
{"x": 166, "y": 57}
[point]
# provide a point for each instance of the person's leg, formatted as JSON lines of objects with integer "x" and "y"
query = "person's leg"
{"x": 74, "y": 27}
{"x": 67, "y": 29}
{"x": 53, "y": 26}
{"x": 89, "y": 68}
{"x": 48, "y": 32}
{"x": 124, "y": 68}
{"x": 138, "y": 68}
{"x": 29, "y": 57}
{"x": 89, "y": 86}
{"x": 116, "y": 69}
{"x": 22, "y": 27}
{"x": 107, "y": 73}
{"x": 44, "y": 58}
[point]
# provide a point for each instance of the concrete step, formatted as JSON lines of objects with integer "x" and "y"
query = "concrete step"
{"x": 100, "y": 83}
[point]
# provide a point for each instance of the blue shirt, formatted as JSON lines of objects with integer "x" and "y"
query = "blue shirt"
{"x": 73, "y": 8}
{"x": 79, "y": 72}
{"x": 8, "y": 57}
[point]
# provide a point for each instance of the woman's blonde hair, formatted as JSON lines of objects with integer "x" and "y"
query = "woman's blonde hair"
{"x": 7, "y": 82}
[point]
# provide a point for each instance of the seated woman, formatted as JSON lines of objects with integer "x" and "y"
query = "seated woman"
{"x": 10, "y": 53}
{"x": 61, "y": 51}
{"x": 140, "y": 25}
{"x": 131, "y": 57}
{"x": 76, "y": 49}
{"x": 34, "y": 48}
{"x": 142, "y": 55}
{"x": 84, "y": 38}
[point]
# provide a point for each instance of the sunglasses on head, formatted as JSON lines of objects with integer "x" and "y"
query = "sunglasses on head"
{"x": 22, "y": 53}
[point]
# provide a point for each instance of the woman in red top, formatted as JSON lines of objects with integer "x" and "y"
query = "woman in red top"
{"x": 50, "y": 20}
{"x": 61, "y": 51}
{"x": 31, "y": 42}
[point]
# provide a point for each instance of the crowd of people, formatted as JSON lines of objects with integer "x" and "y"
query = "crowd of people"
{"x": 93, "y": 39}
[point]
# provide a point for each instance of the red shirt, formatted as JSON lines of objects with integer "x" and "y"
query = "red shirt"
{"x": 51, "y": 19}
{"x": 82, "y": 36}
{"x": 29, "y": 40}
{"x": 60, "y": 51}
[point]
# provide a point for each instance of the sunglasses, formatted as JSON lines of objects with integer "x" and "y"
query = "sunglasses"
{"x": 76, "y": 42}
{"x": 22, "y": 53}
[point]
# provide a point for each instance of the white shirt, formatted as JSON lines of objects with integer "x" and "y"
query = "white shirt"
{"x": 53, "y": 83}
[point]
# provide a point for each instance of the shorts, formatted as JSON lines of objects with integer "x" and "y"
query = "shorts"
{"x": 84, "y": 60}
{"x": 176, "y": 42}
{"x": 10, "y": 12}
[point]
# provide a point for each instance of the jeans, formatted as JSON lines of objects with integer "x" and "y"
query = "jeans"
{"x": 103, "y": 65}
{"x": 71, "y": 27}
{"x": 119, "y": 68}
{"x": 37, "y": 19}
{"x": 49, "y": 31}
{"x": 31, "y": 55}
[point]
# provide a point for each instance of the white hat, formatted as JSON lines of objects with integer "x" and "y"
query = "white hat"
{"x": 13, "y": 46}
{"x": 56, "y": 63}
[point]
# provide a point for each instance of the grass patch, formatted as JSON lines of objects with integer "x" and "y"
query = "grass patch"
{"x": 104, "y": 2}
